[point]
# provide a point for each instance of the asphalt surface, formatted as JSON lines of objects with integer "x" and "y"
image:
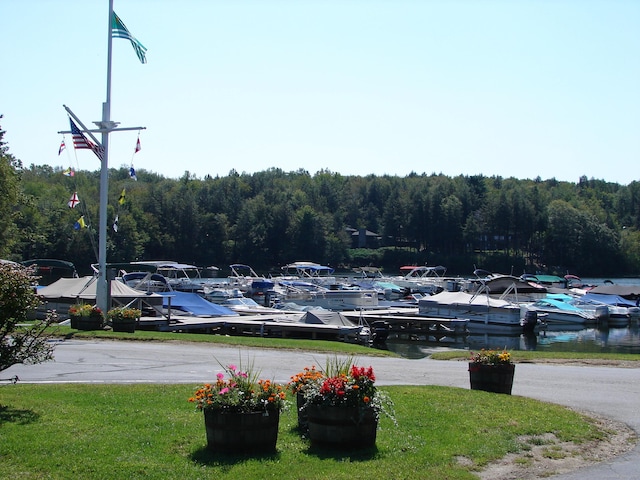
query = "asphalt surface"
{"x": 607, "y": 391}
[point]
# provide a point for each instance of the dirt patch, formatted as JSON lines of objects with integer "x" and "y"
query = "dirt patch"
{"x": 543, "y": 456}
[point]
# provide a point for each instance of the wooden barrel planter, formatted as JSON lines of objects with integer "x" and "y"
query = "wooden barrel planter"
{"x": 88, "y": 323}
{"x": 124, "y": 325}
{"x": 255, "y": 432}
{"x": 343, "y": 427}
{"x": 303, "y": 420}
{"x": 491, "y": 378}
{"x": 75, "y": 319}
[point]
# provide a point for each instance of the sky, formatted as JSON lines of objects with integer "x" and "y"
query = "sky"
{"x": 511, "y": 88}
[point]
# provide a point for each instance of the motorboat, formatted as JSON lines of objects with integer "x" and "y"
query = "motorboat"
{"x": 421, "y": 279}
{"x": 371, "y": 278}
{"x": 310, "y": 294}
{"x": 242, "y": 276}
{"x": 483, "y": 312}
{"x": 560, "y": 311}
{"x": 309, "y": 271}
{"x": 621, "y": 310}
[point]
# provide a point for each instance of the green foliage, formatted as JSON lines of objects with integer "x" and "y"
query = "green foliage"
{"x": 20, "y": 342}
{"x": 9, "y": 198}
{"x": 271, "y": 218}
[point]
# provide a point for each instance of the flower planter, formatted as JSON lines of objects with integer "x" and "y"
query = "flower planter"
{"x": 74, "y": 320}
{"x": 88, "y": 323}
{"x": 344, "y": 427}
{"x": 124, "y": 325}
{"x": 491, "y": 378}
{"x": 255, "y": 432}
{"x": 303, "y": 420}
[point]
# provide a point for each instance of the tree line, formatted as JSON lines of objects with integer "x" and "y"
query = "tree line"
{"x": 271, "y": 218}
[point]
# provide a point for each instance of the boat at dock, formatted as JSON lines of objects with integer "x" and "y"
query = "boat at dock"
{"x": 483, "y": 312}
{"x": 421, "y": 279}
{"x": 312, "y": 295}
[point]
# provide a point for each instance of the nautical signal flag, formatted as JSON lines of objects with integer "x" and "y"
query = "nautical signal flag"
{"x": 118, "y": 30}
{"x": 80, "y": 224}
{"x": 62, "y": 147}
{"x": 132, "y": 173}
{"x": 82, "y": 142}
{"x": 74, "y": 200}
{"x": 138, "y": 147}
{"x": 115, "y": 224}
{"x": 68, "y": 172}
{"x": 121, "y": 200}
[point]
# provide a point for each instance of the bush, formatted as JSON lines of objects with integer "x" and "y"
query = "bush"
{"x": 21, "y": 341}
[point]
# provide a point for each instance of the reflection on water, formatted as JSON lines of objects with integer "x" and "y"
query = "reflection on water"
{"x": 606, "y": 340}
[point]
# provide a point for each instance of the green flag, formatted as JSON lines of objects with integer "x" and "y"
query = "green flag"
{"x": 118, "y": 30}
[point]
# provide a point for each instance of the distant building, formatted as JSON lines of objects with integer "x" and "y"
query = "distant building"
{"x": 363, "y": 238}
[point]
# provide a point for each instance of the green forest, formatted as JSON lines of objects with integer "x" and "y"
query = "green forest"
{"x": 270, "y": 218}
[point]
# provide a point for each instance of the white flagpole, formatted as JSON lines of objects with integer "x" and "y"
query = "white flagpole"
{"x": 102, "y": 287}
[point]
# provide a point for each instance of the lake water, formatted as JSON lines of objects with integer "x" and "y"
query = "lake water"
{"x": 591, "y": 339}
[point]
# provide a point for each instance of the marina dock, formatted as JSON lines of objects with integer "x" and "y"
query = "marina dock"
{"x": 399, "y": 322}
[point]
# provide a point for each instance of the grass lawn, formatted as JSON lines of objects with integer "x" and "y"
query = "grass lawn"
{"x": 151, "y": 431}
{"x": 245, "y": 341}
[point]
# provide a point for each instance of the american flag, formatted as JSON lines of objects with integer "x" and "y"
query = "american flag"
{"x": 80, "y": 141}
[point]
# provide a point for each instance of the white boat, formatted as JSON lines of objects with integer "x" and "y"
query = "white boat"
{"x": 421, "y": 279}
{"x": 248, "y": 306}
{"x": 310, "y": 294}
{"x": 371, "y": 278}
{"x": 163, "y": 275}
{"x": 555, "y": 311}
{"x": 621, "y": 310}
{"x": 310, "y": 272}
{"x": 242, "y": 276}
{"x": 483, "y": 312}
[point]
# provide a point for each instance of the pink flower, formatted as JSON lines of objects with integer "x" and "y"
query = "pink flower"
{"x": 223, "y": 391}
{"x": 220, "y": 375}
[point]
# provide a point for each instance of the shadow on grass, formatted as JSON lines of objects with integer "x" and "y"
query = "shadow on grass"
{"x": 364, "y": 454}
{"x": 14, "y": 415}
{"x": 336, "y": 452}
{"x": 204, "y": 456}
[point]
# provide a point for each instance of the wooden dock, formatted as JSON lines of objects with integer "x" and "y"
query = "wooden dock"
{"x": 400, "y": 322}
{"x": 407, "y": 323}
{"x": 275, "y": 326}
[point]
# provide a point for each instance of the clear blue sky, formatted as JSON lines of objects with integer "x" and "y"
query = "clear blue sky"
{"x": 512, "y": 88}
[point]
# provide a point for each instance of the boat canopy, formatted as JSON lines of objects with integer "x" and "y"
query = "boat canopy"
{"x": 308, "y": 269}
{"x": 626, "y": 291}
{"x": 608, "y": 299}
{"x": 85, "y": 288}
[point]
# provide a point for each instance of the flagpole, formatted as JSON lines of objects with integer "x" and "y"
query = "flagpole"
{"x": 105, "y": 127}
{"x": 102, "y": 287}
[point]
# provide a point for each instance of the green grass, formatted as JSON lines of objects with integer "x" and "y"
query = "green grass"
{"x": 151, "y": 431}
{"x": 520, "y": 356}
{"x": 246, "y": 341}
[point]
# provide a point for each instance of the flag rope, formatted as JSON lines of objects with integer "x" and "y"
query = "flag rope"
{"x": 84, "y": 212}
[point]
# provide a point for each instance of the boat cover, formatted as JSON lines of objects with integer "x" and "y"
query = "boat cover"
{"x": 608, "y": 299}
{"x": 326, "y": 317}
{"x": 627, "y": 291}
{"x": 194, "y": 304}
{"x": 85, "y": 288}
{"x": 463, "y": 298}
